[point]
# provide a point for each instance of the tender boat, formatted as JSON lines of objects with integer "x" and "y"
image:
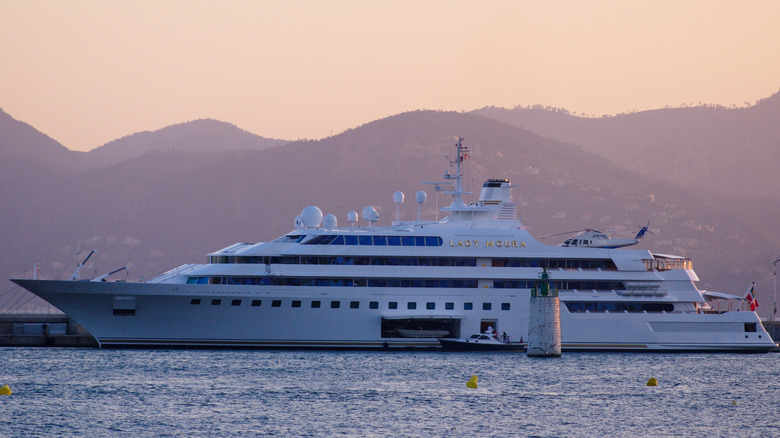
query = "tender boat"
{"x": 405, "y": 284}
{"x": 480, "y": 342}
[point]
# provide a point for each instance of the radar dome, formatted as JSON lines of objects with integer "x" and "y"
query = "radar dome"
{"x": 311, "y": 216}
{"x": 352, "y": 216}
{"x": 421, "y": 196}
{"x": 329, "y": 221}
{"x": 370, "y": 214}
{"x": 398, "y": 197}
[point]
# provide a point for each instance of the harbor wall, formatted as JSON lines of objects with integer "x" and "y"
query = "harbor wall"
{"x": 773, "y": 328}
{"x": 43, "y": 330}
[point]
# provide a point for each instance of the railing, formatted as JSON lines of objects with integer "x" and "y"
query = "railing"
{"x": 665, "y": 264}
{"x": 181, "y": 270}
{"x": 37, "y": 309}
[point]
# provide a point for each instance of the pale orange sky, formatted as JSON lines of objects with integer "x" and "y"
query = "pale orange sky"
{"x": 88, "y": 72}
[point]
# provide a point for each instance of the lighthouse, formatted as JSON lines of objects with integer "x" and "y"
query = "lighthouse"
{"x": 544, "y": 325}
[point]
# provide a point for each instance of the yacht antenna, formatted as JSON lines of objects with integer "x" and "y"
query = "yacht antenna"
{"x": 456, "y": 189}
{"x": 774, "y": 289}
{"x": 458, "y": 192}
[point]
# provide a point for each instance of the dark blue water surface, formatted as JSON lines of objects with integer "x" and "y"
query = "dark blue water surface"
{"x": 91, "y": 392}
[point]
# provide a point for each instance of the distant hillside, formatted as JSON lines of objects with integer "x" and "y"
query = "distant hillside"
{"x": 205, "y": 135}
{"x": 727, "y": 151}
{"x": 24, "y": 149}
{"x": 163, "y": 209}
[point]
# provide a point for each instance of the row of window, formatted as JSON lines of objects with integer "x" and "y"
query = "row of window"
{"x": 603, "y": 264}
{"x": 561, "y": 285}
{"x": 347, "y": 282}
{"x": 347, "y": 260}
{"x": 340, "y": 239}
{"x": 446, "y": 283}
{"x": 581, "y": 306}
{"x": 597, "y": 306}
{"x": 335, "y": 304}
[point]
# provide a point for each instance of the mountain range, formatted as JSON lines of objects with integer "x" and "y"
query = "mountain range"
{"x": 154, "y": 200}
{"x": 731, "y": 151}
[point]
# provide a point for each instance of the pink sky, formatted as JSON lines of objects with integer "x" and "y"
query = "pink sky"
{"x": 88, "y": 72}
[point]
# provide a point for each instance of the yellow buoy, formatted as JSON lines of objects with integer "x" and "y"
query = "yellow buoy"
{"x": 5, "y": 390}
{"x": 652, "y": 382}
{"x": 472, "y": 383}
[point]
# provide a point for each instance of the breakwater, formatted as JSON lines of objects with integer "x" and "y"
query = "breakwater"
{"x": 43, "y": 330}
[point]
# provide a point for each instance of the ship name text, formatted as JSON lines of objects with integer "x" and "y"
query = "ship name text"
{"x": 488, "y": 243}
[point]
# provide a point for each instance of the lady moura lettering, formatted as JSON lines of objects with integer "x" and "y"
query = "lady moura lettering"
{"x": 488, "y": 244}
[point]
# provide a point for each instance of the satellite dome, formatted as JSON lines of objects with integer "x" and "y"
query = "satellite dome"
{"x": 421, "y": 196}
{"x": 398, "y": 197}
{"x": 329, "y": 221}
{"x": 370, "y": 214}
{"x": 311, "y": 216}
{"x": 352, "y": 216}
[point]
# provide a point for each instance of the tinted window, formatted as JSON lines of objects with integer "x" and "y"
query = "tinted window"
{"x": 296, "y": 303}
{"x": 433, "y": 241}
{"x": 235, "y": 303}
{"x": 195, "y": 301}
{"x": 276, "y": 303}
{"x": 315, "y": 304}
{"x": 335, "y": 304}
{"x": 256, "y": 303}
{"x": 216, "y": 302}
{"x": 468, "y": 306}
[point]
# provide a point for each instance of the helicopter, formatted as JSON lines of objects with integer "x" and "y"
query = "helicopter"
{"x": 592, "y": 238}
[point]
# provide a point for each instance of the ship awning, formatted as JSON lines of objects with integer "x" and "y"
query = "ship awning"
{"x": 667, "y": 256}
{"x": 721, "y": 295}
{"x": 422, "y": 317}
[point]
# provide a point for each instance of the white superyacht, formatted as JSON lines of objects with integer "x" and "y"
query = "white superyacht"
{"x": 405, "y": 285}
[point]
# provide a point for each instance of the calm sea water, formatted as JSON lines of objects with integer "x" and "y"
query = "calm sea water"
{"x": 91, "y": 392}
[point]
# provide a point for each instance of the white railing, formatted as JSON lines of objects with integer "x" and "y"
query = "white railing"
{"x": 181, "y": 270}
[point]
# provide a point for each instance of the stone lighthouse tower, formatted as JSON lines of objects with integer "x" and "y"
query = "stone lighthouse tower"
{"x": 544, "y": 325}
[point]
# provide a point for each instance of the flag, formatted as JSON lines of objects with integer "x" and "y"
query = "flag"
{"x": 750, "y": 297}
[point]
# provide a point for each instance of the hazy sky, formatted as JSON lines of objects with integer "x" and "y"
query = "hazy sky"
{"x": 88, "y": 72}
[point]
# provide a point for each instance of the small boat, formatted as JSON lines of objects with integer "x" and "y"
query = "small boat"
{"x": 481, "y": 342}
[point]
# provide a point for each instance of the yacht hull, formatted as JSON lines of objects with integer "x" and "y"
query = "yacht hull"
{"x": 170, "y": 315}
